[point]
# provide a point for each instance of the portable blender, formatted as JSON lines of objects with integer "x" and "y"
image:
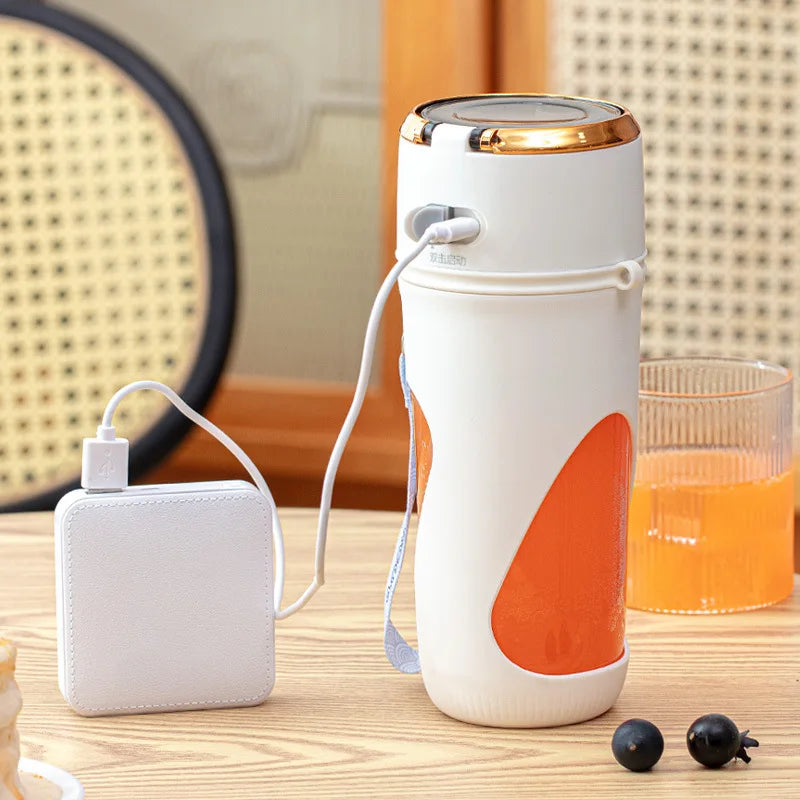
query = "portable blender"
{"x": 522, "y": 352}
{"x": 520, "y": 264}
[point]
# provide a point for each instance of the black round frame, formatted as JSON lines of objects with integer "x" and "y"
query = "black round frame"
{"x": 172, "y": 426}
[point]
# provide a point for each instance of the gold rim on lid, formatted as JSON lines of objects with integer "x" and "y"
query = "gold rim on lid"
{"x": 524, "y": 124}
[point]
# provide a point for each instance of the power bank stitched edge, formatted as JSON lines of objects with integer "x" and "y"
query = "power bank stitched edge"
{"x": 193, "y": 703}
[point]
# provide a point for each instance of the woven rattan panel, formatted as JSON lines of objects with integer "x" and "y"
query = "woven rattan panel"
{"x": 102, "y": 253}
{"x": 714, "y": 85}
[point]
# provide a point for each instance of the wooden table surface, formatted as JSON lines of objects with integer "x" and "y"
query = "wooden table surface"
{"x": 342, "y": 723}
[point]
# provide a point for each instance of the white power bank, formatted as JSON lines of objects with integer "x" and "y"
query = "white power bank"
{"x": 165, "y": 598}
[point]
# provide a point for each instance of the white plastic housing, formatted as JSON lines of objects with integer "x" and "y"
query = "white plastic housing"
{"x": 105, "y": 464}
{"x": 510, "y": 381}
{"x": 538, "y": 213}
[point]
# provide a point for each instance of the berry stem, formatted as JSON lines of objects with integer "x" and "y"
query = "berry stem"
{"x": 744, "y": 742}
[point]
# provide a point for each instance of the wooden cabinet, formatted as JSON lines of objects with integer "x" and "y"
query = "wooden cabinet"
{"x": 430, "y": 50}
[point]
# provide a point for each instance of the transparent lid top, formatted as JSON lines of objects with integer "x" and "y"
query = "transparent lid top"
{"x": 524, "y": 123}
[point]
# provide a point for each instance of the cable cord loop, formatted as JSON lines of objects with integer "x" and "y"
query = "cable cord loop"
{"x": 450, "y": 231}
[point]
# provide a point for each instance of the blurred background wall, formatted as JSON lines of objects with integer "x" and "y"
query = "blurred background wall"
{"x": 290, "y": 93}
{"x": 304, "y": 100}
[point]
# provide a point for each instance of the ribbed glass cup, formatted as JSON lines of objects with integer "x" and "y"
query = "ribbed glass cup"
{"x": 711, "y": 521}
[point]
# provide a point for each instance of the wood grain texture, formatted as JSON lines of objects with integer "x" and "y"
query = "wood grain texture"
{"x": 342, "y": 723}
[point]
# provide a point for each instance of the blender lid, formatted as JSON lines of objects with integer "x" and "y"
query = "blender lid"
{"x": 525, "y": 123}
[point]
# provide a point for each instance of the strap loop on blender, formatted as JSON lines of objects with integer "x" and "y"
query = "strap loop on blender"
{"x": 400, "y": 653}
{"x": 622, "y": 275}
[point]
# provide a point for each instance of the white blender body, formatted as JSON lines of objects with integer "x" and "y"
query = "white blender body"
{"x": 522, "y": 351}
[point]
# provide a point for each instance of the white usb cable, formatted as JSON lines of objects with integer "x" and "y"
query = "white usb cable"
{"x": 105, "y": 457}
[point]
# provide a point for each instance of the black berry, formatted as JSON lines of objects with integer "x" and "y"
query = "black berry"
{"x": 637, "y": 745}
{"x": 713, "y": 740}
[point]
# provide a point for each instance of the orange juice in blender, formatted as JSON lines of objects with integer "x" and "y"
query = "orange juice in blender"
{"x": 711, "y": 520}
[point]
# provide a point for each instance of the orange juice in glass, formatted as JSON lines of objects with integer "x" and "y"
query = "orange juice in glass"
{"x": 711, "y": 520}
